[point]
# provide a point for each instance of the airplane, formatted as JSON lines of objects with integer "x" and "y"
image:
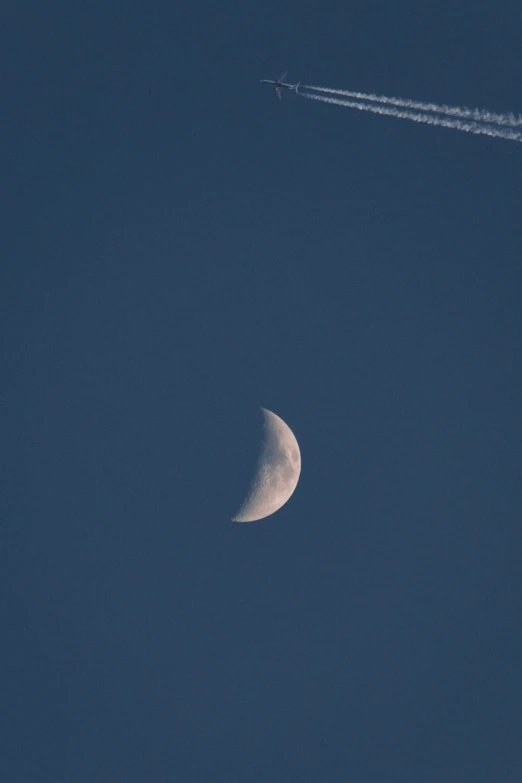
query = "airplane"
{"x": 278, "y": 83}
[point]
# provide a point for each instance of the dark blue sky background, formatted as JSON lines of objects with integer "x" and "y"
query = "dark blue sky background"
{"x": 181, "y": 248}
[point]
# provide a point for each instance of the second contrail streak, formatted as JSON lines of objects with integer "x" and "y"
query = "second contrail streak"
{"x": 461, "y": 112}
{"x": 429, "y": 119}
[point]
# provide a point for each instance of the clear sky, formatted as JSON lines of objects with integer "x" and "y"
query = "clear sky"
{"x": 181, "y": 248}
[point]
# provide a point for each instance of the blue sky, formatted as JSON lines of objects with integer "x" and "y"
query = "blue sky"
{"x": 181, "y": 248}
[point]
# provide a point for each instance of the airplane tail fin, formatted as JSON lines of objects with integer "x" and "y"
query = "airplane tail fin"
{"x": 296, "y": 87}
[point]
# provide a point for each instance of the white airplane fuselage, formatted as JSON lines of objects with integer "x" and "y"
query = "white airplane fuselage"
{"x": 278, "y": 85}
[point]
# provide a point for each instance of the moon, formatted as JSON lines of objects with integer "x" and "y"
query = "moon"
{"x": 277, "y": 472}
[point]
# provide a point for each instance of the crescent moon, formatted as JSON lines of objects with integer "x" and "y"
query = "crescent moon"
{"x": 277, "y": 472}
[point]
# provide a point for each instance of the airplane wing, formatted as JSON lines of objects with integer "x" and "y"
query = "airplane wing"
{"x": 281, "y": 78}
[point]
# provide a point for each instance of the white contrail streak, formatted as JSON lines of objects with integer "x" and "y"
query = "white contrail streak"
{"x": 478, "y": 115}
{"x": 429, "y": 119}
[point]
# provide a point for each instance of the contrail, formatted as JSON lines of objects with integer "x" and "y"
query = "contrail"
{"x": 429, "y": 119}
{"x": 478, "y": 115}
